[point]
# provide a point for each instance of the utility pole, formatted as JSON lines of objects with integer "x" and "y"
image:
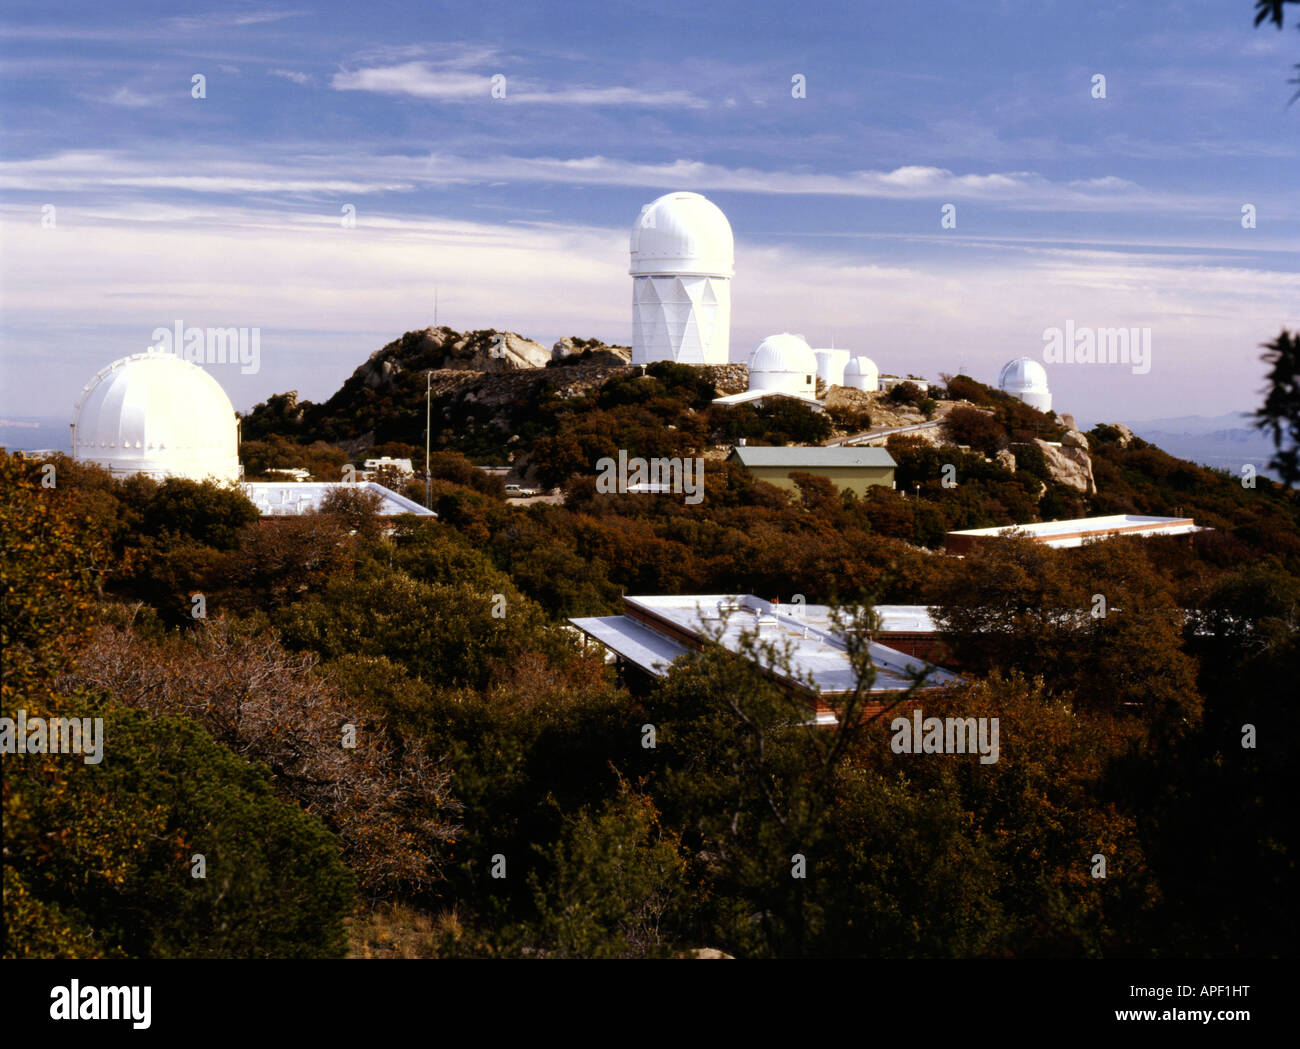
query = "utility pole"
{"x": 428, "y": 425}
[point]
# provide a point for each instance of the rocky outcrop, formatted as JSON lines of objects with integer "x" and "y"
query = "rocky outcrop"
{"x": 435, "y": 349}
{"x": 1069, "y": 463}
{"x": 571, "y": 350}
{"x": 727, "y": 378}
{"x": 1126, "y": 436}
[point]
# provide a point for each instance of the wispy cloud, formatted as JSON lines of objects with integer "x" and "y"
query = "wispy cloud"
{"x": 125, "y": 96}
{"x": 226, "y": 20}
{"x": 420, "y": 80}
{"x": 415, "y": 79}
{"x": 289, "y": 74}
{"x": 302, "y": 173}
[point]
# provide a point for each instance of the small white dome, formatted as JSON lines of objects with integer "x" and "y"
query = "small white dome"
{"x": 861, "y": 373}
{"x": 682, "y": 233}
{"x": 783, "y": 363}
{"x": 1026, "y": 379}
{"x": 158, "y": 414}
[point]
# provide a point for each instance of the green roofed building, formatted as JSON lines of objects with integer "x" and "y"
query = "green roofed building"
{"x": 849, "y": 469}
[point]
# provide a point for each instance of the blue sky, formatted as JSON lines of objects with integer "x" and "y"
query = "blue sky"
{"x": 226, "y": 210}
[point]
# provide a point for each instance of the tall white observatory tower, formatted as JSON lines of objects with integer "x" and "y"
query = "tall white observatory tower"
{"x": 683, "y": 258}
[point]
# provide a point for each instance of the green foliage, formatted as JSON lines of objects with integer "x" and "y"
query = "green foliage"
{"x": 117, "y": 868}
{"x": 618, "y": 885}
{"x": 907, "y": 393}
{"x": 1280, "y": 414}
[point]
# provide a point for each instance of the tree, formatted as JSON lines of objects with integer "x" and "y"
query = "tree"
{"x": 975, "y": 428}
{"x": 1280, "y": 413}
{"x": 1272, "y": 11}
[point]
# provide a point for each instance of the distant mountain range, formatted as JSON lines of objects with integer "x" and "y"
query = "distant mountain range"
{"x": 1225, "y": 442}
{"x": 28, "y": 433}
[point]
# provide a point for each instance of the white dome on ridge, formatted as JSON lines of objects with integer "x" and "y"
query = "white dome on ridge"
{"x": 158, "y": 414}
{"x": 784, "y": 363}
{"x": 861, "y": 373}
{"x": 1026, "y": 379}
{"x": 682, "y": 233}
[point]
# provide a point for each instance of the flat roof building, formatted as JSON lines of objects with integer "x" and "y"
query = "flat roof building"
{"x": 654, "y": 631}
{"x": 291, "y": 499}
{"x": 849, "y": 469}
{"x": 1065, "y": 534}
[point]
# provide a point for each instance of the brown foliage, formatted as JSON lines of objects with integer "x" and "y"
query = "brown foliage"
{"x": 387, "y": 799}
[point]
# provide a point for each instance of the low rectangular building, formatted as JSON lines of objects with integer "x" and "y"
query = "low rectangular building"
{"x": 654, "y": 631}
{"x": 293, "y": 499}
{"x": 849, "y": 469}
{"x": 1065, "y": 534}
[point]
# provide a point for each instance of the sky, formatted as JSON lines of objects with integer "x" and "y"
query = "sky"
{"x": 348, "y": 162}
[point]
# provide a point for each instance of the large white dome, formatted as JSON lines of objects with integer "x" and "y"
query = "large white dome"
{"x": 784, "y": 363}
{"x": 861, "y": 373}
{"x": 682, "y": 233}
{"x": 158, "y": 414}
{"x": 1026, "y": 379}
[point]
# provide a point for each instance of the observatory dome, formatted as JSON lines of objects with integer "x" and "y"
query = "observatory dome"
{"x": 683, "y": 256}
{"x": 1026, "y": 379}
{"x": 861, "y": 373}
{"x": 682, "y": 233}
{"x": 783, "y": 363}
{"x": 158, "y": 414}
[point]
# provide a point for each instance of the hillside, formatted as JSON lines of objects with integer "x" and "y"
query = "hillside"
{"x": 552, "y": 415}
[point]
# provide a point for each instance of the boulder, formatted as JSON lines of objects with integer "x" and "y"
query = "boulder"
{"x": 1070, "y": 464}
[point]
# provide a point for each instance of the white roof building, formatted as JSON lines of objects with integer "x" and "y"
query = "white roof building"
{"x": 654, "y": 631}
{"x": 290, "y": 499}
{"x": 1076, "y": 532}
{"x": 1026, "y": 379}
{"x": 682, "y": 260}
{"x": 157, "y": 414}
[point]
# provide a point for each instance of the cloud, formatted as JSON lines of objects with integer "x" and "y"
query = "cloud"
{"x": 126, "y": 97}
{"x": 204, "y": 23}
{"x": 415, "y": 79}
{"x": 419, "y": 80}
{"x": 303, "y": 174}
{"x": 288, "y": 74}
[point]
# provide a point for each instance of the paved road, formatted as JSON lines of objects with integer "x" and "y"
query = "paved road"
{"x": 875, "y": 435}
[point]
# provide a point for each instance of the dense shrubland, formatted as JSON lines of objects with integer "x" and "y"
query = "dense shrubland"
{"x": 488, "y": 742}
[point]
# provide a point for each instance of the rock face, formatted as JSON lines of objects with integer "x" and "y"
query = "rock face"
{"x": 572, "y": 350}
{"x": 1070, "y": 464}
{"x": 1007, "y": 460}
{"x": 1126, "y": 436}
{"x": 443, "y": 348}
{"x": 727, "y": 378}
